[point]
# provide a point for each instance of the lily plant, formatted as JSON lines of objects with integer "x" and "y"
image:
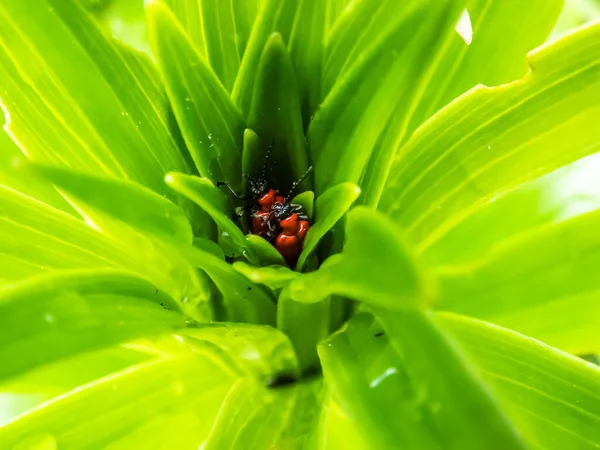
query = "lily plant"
{"x": 446, "y": 288}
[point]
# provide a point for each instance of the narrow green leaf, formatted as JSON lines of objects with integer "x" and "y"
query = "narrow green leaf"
{"x": 225, "y": 44}
{"x": 94, "y": 415}
{"x": 189, "y": 15}
{"x": 209, "y": 246}
{"x": 546, "y": 201}
{"x": 139, "y": 207}
{"x": 264, "y": 352}
{"x": 211, "y": 199}
{"x": 462, "y": 66}
{"x": 55, "y": 379}
{"x": 376, "y": 266}
{"x": 59, "y": 241}
{"x": 550, "y": 396}
{"x": 125, "y": 21}
{"x": 243, "y": 300}
{"x": 211, "y": 124}
{"x": 370, "y": 383}
{"x": 346, "y": 127}
{"x": 359, "y": 30}
{"x": 305, "y": 324}
{"x": 334, "y": 10}
{"x": 543, "y": 283}
{"x": 306, "y": 44}
{"x": 458, "y": 161}
{"x": 219, "y": 30}
{"x": 55, "y": 240}
{"x": 275, "y": 115}
{"x": 252, "y": 157}
{"x": 398, "y": 395}
{"x": 253, "y": 417}
{"x": 459, "y": 66}
{"x": 305, "y": 199}
{"x": 57, "y": 316}
{"x": 275, "y": 16}
{"x": 274, "y": 277}
{"x": 329, "y": 209}
{"x": 18, "y": 175}
{"x": 112, "y": 121}
{"x": 466, "y": 415}
{"x": 263, "y": 252}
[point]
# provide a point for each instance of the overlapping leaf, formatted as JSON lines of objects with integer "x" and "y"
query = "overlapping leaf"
{"x": 219, "y": 30}
{"x": 211, "y": 124}
{"x": 550, "y": 396}
{"x": 459, "y": 161}
{"x": 542, "y": 283}
{"x": 112, "y": 121}
{"x": 379, "y": 77}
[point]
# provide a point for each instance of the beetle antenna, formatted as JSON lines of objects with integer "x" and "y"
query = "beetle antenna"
{"x": 297, "y": 183}
{"x": 267, "y": 158}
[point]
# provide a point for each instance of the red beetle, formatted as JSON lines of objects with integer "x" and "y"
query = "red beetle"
{"x": 274, "y": 218}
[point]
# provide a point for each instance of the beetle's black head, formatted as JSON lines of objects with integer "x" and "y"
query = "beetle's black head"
{"x": 258, "y": 186}
{"x": 282, "y": 210}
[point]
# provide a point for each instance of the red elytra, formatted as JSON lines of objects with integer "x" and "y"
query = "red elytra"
{"x": 264, "y": 222}
{"x": 273, "y": 217}
{"x": 277, "y": 220}
{"x": 289, "y": 241}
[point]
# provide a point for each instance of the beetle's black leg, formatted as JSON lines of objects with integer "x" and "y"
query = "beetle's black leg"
{"x": 235, "y": 194}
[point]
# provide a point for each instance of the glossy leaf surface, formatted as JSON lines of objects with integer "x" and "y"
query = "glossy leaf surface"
{"x": 211, "y": 124}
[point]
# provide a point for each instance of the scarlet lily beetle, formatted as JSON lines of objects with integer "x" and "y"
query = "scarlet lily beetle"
{"x": 274, "y": 218}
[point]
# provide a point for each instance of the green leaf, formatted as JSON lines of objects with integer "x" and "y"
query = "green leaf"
{"x": 575, "y": 14}
{"x": 550, "y": 396}
{"x": 18, "y": 175}
{"x": 253, "y": 417}
{"x": 465, "y": 413}
{"x": 139, "y": 207}
{"x": 209, "y": 246}
{"x": 211, "y": 199}
{"x": 462, "y": 66}
{"x": 334, "y": 9}
{"x": 306, "y": 45}
{"x": 55, "y": 240}
{"x": 371, "y": 385}
{"x": 548, "y": 200}
{"x": 293, "y": 20}
{"x": 355, "y": 112}
{"x": 189, "y": 16}
{"x": 263, "y": 251}
{"x": 274, "y": 277}
{"x": 124, "y": 20}
{"x": 211, "y": 124}
{"x": 263, "y": 352}
{"x": 58, "y": 241}
{"x": 376, "y": 266}
{"x": 187, "y": 385}
{"x": 305, "y": 199}
{"x": 305, "y": 324}
{"x": 218, "y": 30}
{"x": 459, "y": 161}
{"x": 276, "y": 117}
{"x": 56, "y": 316}
{"x": 225, "y": 44}
{"x": 253, "y": 156}
{"x": 459, "y": 66}
{"x": 243, "y": 301}
{"x": 112, "y": 121}
{"x": 329, "y": 209}
{"x": 542, "y": 283}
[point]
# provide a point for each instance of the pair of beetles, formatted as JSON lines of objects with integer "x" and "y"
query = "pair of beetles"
{"x": 274, "y": 217}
